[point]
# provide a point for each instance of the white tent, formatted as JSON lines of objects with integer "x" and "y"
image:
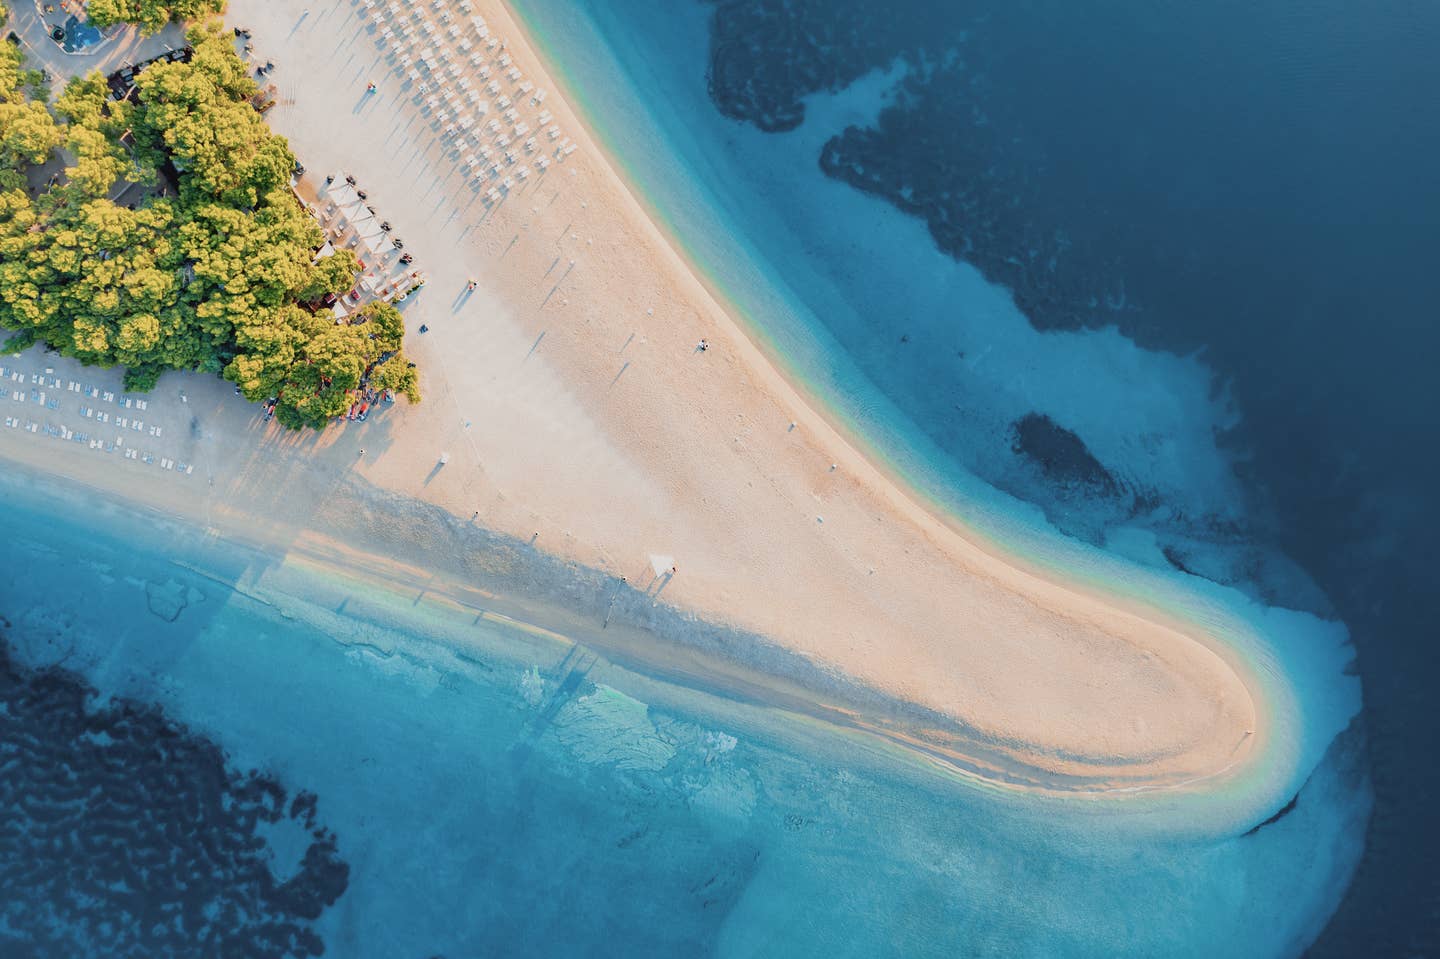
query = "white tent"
{"x": 662, "y": 565}
{"x": 341, "y": 193}
{"x": 374, "y": 242}
{"x": 327, "y": 250}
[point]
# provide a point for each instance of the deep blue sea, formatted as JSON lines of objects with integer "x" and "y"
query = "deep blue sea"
{"x": 1154, "y": 282}
{"x": 1163, "y": 272}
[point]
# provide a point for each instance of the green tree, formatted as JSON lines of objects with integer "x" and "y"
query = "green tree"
{"x": 28, "y": 132}
{"x": 151, "y": 15}
{"x": 221, "y": 277}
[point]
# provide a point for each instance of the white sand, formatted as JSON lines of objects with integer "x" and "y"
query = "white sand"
{"x": 574, "y": 414}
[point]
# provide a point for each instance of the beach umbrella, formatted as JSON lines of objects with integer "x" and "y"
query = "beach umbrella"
{"x": 368, "y": 228}
{"x": 341, "y": 193}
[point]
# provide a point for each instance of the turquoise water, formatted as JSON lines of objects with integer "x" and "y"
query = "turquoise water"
{"x": 930, "y": 366}
{"x": 492, "y": 790}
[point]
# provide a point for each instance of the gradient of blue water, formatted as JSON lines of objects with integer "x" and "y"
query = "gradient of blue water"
{"x": 483, "y": 810}
{"x": 651, "y": 821}
{"x": 812, "y": 265}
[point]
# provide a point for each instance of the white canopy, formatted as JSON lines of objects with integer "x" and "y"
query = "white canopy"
{"x": 661, "y": 564}
{"x": 342, "y": 193}
{"x": 368, "y": 227}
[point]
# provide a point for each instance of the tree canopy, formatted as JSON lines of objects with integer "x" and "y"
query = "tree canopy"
{"x": 28, "y": 132}
{"x": 220, "y": 276}
{"x": 150, "y": 14}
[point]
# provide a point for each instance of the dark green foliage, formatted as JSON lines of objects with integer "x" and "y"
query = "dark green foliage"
{"x": 215, "y": 279}
{"x": 150, "y": 14}
{"x": 28, "y": 133}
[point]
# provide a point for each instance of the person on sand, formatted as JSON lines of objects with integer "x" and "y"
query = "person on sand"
{"x": 370, "y": 87}
{"x": 470, "y": 286}
{"x": 702, "y": 346}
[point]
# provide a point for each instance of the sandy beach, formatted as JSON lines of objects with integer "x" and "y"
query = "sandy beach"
{"x": 581, "y": 421}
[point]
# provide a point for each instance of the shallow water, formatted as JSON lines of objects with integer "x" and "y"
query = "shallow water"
{"x": 490, "y": 790}
{"x": 1217, "y": 223}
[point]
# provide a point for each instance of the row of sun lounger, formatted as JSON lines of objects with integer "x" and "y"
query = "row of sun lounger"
{"x": 94, "y": 443}
{"x": 50, "y": 381}
{"x": 45, "y": 389}
{"x": 447, "y": 89}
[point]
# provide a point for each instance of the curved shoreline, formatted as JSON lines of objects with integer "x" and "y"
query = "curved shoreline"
{"x": 909, "y": 735}
{"x": 904, "y": 487}
{"x": 756, "y": 561}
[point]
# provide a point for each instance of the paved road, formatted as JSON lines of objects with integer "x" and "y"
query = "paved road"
{"x": 125, "y": 45}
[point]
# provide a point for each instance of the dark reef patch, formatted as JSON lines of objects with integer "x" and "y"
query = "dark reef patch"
{"x": 1061, "y": 455}
{"x": 1248, "y": 179}
{"x": 125, "y": 834}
